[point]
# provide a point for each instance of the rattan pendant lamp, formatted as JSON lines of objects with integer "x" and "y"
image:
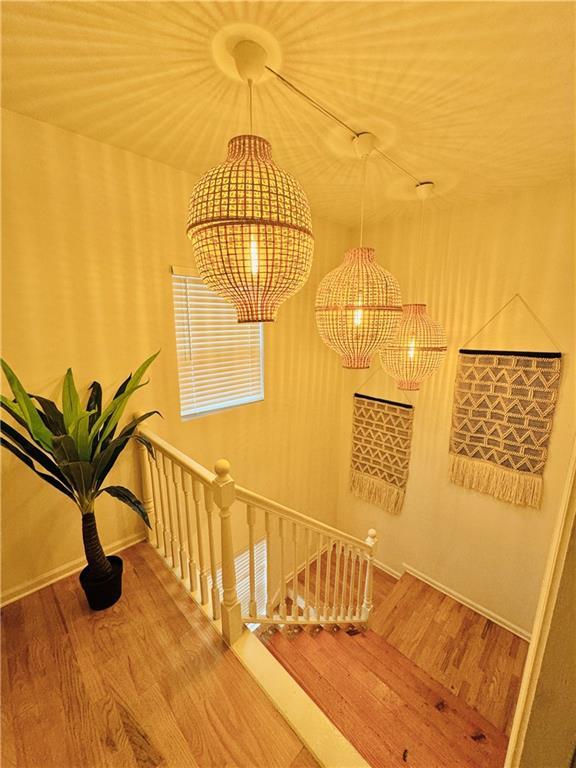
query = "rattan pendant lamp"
{"x": 249, "y": 221}
{"x": 358, "y": 304}
{"x": 419, "y": 345}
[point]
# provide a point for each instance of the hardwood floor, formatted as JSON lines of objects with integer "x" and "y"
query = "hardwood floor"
{"x": 393, "y": 713}
{"x": 432, "y": 683}
{"x": 470, "y": 655}
{"x": 147, "y": 683}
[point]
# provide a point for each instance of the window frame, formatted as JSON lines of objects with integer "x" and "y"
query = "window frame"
{"x": 179, "y": 274}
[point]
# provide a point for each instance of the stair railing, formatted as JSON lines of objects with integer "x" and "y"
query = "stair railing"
{"x": 314, "y": 573}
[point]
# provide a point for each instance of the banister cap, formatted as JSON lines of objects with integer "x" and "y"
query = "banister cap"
{"x": 222, "y": 467}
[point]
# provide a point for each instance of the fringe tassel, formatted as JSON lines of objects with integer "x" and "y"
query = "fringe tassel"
{"x": 379, "y": 492}
{"x": 506, "y": 484}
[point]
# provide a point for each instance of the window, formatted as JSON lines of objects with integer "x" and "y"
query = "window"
{"x": 219, "y": 360}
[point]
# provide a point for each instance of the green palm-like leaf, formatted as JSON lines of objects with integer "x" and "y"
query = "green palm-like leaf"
{"x": 80, "y": 475}
{"x": 54, "y": 419}
{"x": 28, "y": 412}
{"x": 113, "y": 413}
{"x": 107, "y": 458}
{"x": 14, "y": 410}
{"x": 127, "y": 497}
{"x": 29, "y": 463}
{"x": 94, "y": 404}
{"x": 65, "y": 449}
{"x": 34, "y": 453}
{"x": 71, "y": 407}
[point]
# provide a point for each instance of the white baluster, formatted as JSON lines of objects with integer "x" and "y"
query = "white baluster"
{"x": 196, "y": 495}
{"x": 282, "y": 570}
{"x": 148, "y": 493}
{"x": 327, "y": 587}
{"x": 371, "y": 540}
{"x": 344, "y": 573}
{"x": 269, "y": 593}
{"x": 173, "y": 542}
{"x": 353, "y": 556}
{"x": 251, "y": 519}
{"x": 357, "y": 607}
{"x": 307, "y": 575}
{"x": 336, "y": 605}
{"x": 192, "y": 565}
{"x": 215, "y": 593}
{"x": 176, "y": 476}
{"x": 317, "y": 608}
{"x": 157, "y": 492}
{"x": 294, "y": 572}
{"x": 166, "y": 507}
{"x": 224, "y": 494}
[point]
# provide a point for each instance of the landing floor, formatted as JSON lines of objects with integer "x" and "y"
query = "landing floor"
{"x": 147, "y": 683}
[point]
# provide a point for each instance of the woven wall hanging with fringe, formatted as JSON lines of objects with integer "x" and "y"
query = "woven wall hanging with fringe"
{"x": 381, "y": 439}
{"x": 502, "y": 416}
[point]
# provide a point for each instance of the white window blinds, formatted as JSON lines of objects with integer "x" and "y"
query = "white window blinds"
{"x": 220, "y": 362}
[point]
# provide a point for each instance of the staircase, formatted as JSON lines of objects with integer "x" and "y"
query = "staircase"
{"x": 396, "y": 691}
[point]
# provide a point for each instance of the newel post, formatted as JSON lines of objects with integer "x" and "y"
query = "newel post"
{"x": 224, "y": 494}
{"x": 371, "y": 540}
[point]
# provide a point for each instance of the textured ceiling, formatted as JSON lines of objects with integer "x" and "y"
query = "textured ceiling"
{"x": 478, "y": 96}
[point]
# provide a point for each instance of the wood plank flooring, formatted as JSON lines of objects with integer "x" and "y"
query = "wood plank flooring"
{"x": 478, "y": 660}
{"x": 392, "y": 712}
{"x": 147, "y": 683}
{"x": 433, "y": 683}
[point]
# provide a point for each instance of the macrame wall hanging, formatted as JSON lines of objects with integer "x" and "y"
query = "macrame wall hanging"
{"x": 502, "y": 416}
{"x": 381, "y": 440}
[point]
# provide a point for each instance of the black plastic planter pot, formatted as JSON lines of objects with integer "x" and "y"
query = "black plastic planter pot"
{"x": 101, "y": 593}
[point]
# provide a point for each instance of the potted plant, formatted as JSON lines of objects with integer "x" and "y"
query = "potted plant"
{"x": 74, "y": 449}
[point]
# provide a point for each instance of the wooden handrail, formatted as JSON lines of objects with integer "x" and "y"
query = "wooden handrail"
{"x": 178, "y": 457}
{"x": 261, "y": 502}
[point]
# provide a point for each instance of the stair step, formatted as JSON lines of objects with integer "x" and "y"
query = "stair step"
{"x": 355, "y": 727}
{"x": 389, "y": 709}
{"x": 475, "y": 738}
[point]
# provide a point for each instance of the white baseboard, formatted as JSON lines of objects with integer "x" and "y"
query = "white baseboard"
{"x": 386, "y": 568}
{"x": 523, "y": 633}
{"x": 56, "y": 574}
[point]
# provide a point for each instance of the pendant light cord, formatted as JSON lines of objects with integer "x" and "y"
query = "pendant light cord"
{"x": 327, "y": 113}
{"x": 250, "y": 106}
{"x": 362, "y": 199}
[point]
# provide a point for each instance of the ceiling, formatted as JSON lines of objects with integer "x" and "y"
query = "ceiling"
{"x": 477, "y": 96}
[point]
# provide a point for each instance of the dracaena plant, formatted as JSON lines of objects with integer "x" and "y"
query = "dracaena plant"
{"x": 74, "y": 448}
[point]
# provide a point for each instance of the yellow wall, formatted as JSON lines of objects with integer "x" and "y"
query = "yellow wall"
{"x": 89, "y": 234}
{"x": 472, "y": 260}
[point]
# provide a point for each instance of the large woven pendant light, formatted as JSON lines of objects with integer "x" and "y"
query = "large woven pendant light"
{"x": 249, "y": 221}
{"x": 417, "y": 349}
{"x": 358, "y": 304}
{"x": 419, "y": 345}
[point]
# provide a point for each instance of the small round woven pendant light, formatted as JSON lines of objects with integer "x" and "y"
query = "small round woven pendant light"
{"x": 416, "y": 350}
{"x": 358, "y": 307}
{"x": 249, "y": 222}
{"x": 358, "y": 304}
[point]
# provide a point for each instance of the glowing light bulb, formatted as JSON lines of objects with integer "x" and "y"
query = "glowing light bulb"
{"x": 254, "y": 254}
{"x": 411, "y": 349}
{"x": 358, "y": 313}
